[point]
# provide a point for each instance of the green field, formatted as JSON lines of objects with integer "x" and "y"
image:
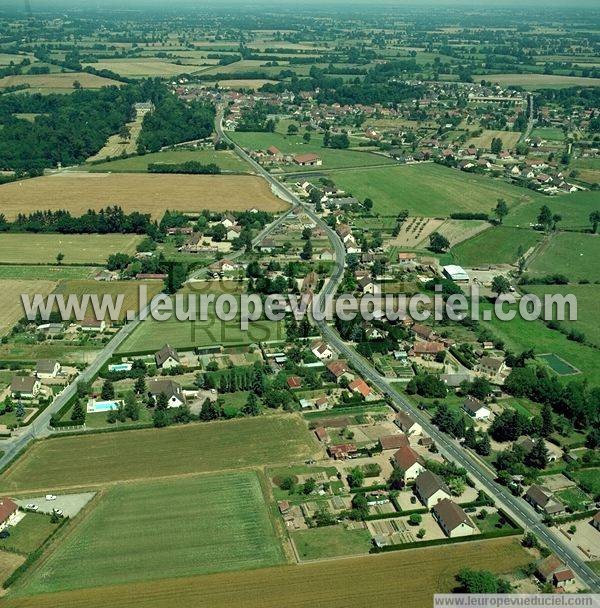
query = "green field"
{"x": 173, "y": 528}
{"x": 574, "y": 209}
{"x": 147, "y": 454}
{"x": 77, "y": 248}
{"x": 587, "y": 306}
{"x": 572, "y": 254}
{"x": 549, "y": 133}
{"x": 293, "y": 144}
{"x": 519, "y": 335}
{"x": 28, "y": 534}
{"x": 428, "y": 189}
{"x": 51, "y": 273}
{"x": 227, "y": 160}
{"x": 498, "y": 245}
{"x": 331, "y": 541}
{"x": 152, "y": 334}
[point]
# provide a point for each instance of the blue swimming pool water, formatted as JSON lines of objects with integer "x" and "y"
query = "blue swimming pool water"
{"x": 105, "y": 406}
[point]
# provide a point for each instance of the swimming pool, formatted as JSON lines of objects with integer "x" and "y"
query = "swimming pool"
{"x": 94, "y": 407}
{"x": 119, "y": 367}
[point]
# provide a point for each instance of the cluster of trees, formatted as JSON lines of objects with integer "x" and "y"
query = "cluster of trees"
{"x": 174, "y": 121}
{"x": 189, "y": 167}
{"x": 427, "y": 385}
{"x": 575, "y": 400}
{"x": 105, "y": 221}
{"x": 256, "y": 119}
{"x": 67, "y": 130}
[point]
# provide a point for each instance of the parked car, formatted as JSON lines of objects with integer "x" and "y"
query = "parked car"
{"x": 31, "y": 506}
{"x": 4, "y": 534}
{"x": 50, "y": 497}
{"x": 57, "y": 511}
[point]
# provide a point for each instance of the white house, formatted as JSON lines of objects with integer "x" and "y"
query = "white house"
{"x": 452, "y": 519}
{"x": 407, "y": 425}
{"x": 25, "y": 387}
{"x": 476, "y": 409}
{"x": 47, "y": 368}
{"x": 409, "y": 462}
{"x": 175, "y": 396}
{"x": 167, "y": 357}
{"x": 233, "y": 232}
{"x": 322, "y": 351}
{"x": 430, "y": 489}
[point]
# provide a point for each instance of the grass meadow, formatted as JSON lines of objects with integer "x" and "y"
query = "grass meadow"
{"x": 77, "y": 248}
{"x": 165, "y": 529}
{"x": 413, "y": 575}
{"x": 588, "y": 311}
{"x": 574, "y": 209}
{"x": 519, "y": 335}
{"x": 573, "y": 254}
{"x": 428, "y": 190}
{"x": 498, "y": 245}
{"x": 293, "y": 144}
{"x": 145, "y": 454}
{"x": 331, "y": 541}
{"x": 52, "y": 273}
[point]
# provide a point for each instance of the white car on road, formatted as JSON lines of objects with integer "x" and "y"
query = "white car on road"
{"x": 50, "y": 497}
{"x": 32, "y": 507}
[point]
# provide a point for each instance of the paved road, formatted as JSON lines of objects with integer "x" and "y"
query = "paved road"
{"x": 530, "y": 118}
{"x": 525, "y": 515}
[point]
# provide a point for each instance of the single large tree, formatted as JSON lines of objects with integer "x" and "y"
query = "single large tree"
{"x": 595, "y": 220}
{"x": 501, "y": 210}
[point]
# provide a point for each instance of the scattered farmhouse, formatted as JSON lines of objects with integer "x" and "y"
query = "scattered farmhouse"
{"x": 8, "y": 512}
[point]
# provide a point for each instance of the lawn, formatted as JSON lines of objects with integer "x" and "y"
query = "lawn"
{"x": 293, "y": 144}
{"x": 147, "y": 454}
{"x": 11, "y": 306}
{"x": 77, "y": 248}
{"x": 574, "y": 498}
{"x": 428, "y": 190}
{"x": 147, "y": 193}
{"x": 413, "y": 575}
{"x": 570, "y": 253}
{"x": 152, "y": 334}
{"x": 574, "y": 209}
{"x": 551, "y": 134}
{"x": 498, "y": 245}
{"x": 331, "y": 541}
{"x": 174, "y": 528}
{"x": 587, "y": 306}
{"x": 28, "y": 534}
{"x": 225, "y": 159}
{"x": 52, "y": 273}
{"x": 509, "y": 139}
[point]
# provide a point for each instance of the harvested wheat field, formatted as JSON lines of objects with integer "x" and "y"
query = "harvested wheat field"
{"x": 115, "y": 146}
{"x": 154, "y": 193}
{"x": 11, "y": 307}
{"x": 412, "y": 575}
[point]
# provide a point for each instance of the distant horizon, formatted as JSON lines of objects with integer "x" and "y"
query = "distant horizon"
{"x": 136, "y": 5}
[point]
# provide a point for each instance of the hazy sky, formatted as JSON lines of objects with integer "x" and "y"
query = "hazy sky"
{"x": 171, "y": 4}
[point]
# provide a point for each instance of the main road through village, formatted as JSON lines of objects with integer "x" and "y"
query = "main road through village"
{"x": 516, "y": 507}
